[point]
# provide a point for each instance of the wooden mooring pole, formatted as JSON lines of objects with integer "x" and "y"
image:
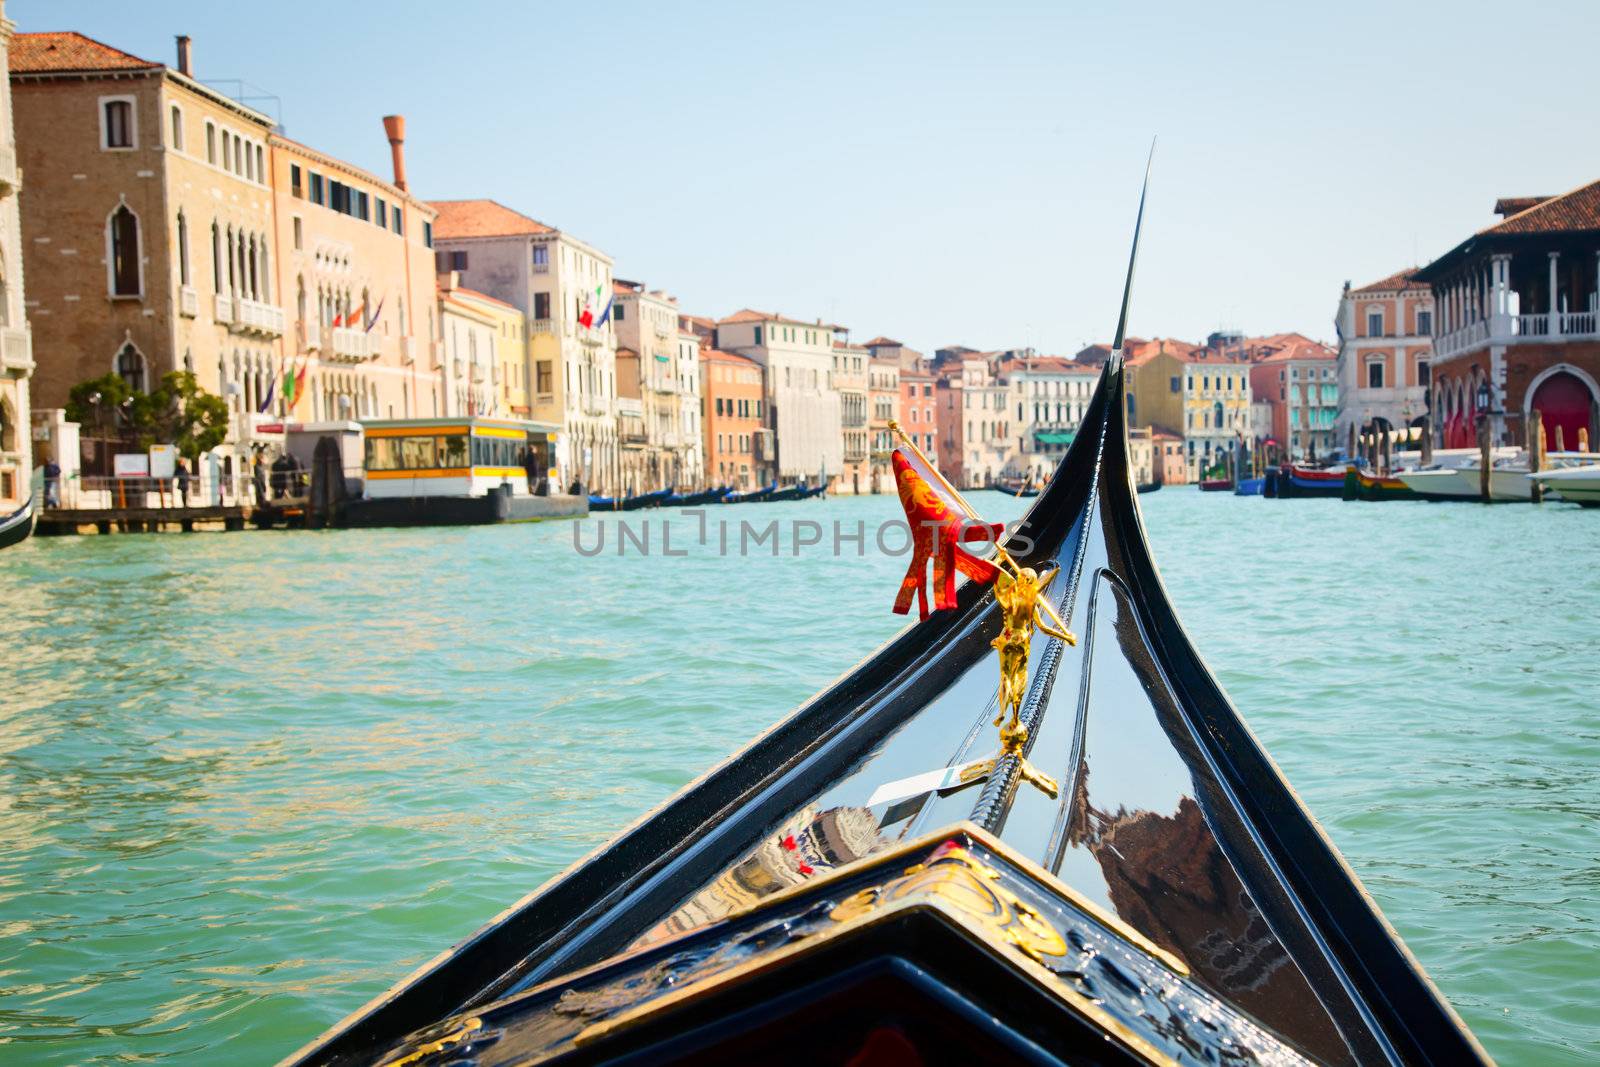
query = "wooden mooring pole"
{"x": 1535, "y": 447}
{"x": 1485, "y": 449}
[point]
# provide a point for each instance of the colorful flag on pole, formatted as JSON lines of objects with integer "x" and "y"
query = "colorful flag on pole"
{"x": 606, "y": 313}
{"x": 940, "y": 524}
{"x": 376, "y": 312}
{"x": 266, "y": 401}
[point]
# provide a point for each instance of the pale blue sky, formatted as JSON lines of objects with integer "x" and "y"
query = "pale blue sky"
{"x": 941, "y": 173}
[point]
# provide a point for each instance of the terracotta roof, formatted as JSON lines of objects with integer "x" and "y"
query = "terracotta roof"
{"x": 882, "y": 342}
{"x": 1293, "y": 346}
{"x": 719, "y": 356}
{"x": 1137, "y": 351}
{"x": 462, "y": 290}
{"x": 1398, "y": 281}
{"x": 482, "y": 218}
{"x": 66, "y": 53}
{"x": 1507, "y": 206}
{"x": 1048, "y": 365}
{"x": 752, "y": 315}
{"x": 627, "y": 352}
{"x": 621, "y": 286}
{"x": 1569, "y": 212}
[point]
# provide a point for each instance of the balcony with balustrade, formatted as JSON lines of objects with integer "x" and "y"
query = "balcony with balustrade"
{"x": 1532, "y": 279}
{"x": 346, "y": 345}
{"x": 16, "y": 349}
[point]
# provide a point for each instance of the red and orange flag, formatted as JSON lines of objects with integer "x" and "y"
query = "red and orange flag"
{"x": 940, "y": 524}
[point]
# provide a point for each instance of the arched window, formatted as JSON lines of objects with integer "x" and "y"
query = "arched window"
{"x": 183, "y": 249}
{"x": 216, "y": 258}
{"x": 250, "y": 261}
{"x": 131, "y": 367}
{"x": 233, "y": 283}
{"x": 122, "y": 235}
{"x": 8, "y": 427}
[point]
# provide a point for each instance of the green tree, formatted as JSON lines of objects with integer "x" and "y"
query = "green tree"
{"x": 102, "y": 406}
{"x": 177, "y": 412}
{"x": 181, "y": 413}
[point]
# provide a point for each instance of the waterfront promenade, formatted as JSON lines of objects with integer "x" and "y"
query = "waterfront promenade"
{"x": 252, "y": 780}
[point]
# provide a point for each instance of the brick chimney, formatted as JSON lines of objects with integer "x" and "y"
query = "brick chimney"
{"x": 395, "y": 127}
{"x": 184, "y": 56}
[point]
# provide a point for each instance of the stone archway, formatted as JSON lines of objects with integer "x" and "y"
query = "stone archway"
{"x": 1565, "y": 398}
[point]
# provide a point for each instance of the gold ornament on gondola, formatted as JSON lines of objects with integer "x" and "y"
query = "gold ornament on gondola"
{"x": 1024, "y": 607}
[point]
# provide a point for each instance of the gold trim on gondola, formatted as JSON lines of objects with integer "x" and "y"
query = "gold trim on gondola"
{"x": 958, "y": 878}
{"x": 1041, "y": 976}
{"x": 1020, "y": 593}
{"x": 459, "y": 1036}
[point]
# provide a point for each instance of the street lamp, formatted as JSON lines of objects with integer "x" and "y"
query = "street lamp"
{"x": 1483, "y": 398}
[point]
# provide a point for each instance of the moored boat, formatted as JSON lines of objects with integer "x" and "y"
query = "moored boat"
{"x": 1216, "y": 485}
{"x": 1362, "y": 484}
{"x": 1125, "y": 879}
{"x": 15, "y": 527}
{"x": 752, "y": 496}
{"x": 1250, "y": 487}
{"x": 1295, "y": 480}
{"x": 1013, "y": 489}
{"x": 1439, "y": 483}
{"x": 714, "y": 495}
{"x": 1579, "y": 484}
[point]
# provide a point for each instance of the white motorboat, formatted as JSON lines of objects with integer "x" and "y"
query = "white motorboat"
{"x": 1579, "y": 484}
{"x": 1440, "y": 483}
{"x": 1509, "y": 478}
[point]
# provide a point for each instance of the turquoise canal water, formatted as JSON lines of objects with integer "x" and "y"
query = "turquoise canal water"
{"x": 249, "y": 780}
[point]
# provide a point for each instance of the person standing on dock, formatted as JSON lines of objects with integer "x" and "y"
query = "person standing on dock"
{"x": 52, "y": 483}
{"x": 258, "y": 478}
{"x": 182, "y": 476}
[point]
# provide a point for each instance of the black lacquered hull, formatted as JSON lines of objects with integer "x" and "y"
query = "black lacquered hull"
{"x": 1170, "y": 819}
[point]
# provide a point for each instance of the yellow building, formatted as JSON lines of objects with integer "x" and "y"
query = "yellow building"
{"x": 485, "y": 351}
{"x": 1199, "y": 393}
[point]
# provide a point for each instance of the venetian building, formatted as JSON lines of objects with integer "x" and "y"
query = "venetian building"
{"x": 646, "y": 322}
{"x": 804, "y": 434}
{"x": 689, "y": 401}
{"x": 562, "y": 286}
{"x": 1295, "y": 379}
{"x": 473, "y": 327}
{"x": 16, "y": 342}
{"x": 849, "y": 378}
{"x": 1047, "y": 395}
{"x": 355, "y": 271}
{"x": 883, "y": 404}
{"x": 149, "y": 231}
{"x": 1384, "y": 366}
{"x": 1517, "y": 327}
{"x": 917, "y": 412}
{"x": 735, "y": 398}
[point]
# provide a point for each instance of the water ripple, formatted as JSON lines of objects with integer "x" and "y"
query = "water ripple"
{"x": 247, "y": 781}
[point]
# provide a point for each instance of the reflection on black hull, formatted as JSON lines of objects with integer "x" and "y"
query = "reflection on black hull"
{"x": 1171, "y": 821}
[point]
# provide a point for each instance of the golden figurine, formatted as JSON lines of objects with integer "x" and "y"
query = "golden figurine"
{"x": 1020, "y": 592}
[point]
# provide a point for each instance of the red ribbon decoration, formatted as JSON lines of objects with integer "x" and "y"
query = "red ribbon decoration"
{"x": 938, "y": 528}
